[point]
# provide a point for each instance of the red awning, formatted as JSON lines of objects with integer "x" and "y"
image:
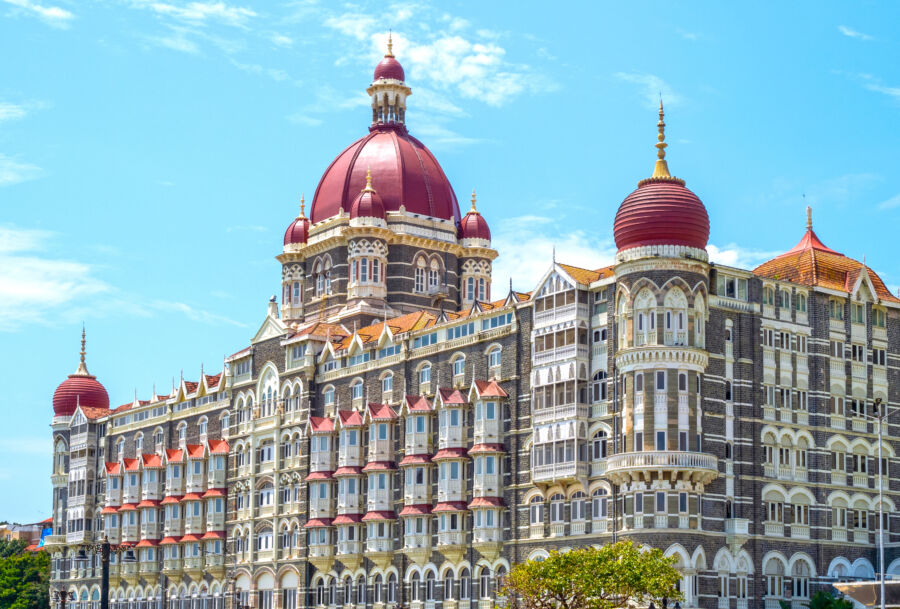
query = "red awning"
{"x": 215, "y": 492}
{"x": 191, "y": 537}
{"x": 147, "y": 543}
{"x": 450, "y": 506}
{"x": 416, "y": 510}
{"x": 348, "y": 471}
{"x": 148, "y": 503}
{"x": 214, "y": 535}
{"x": 486, "y": 502}
{"x": 415, "y": 460}
{"x": 383, "y": 515}
{"x": 169, "y": 541}
{"x": 347, "y": 519}
{"x": 318, "y": 523}
{"x": 319, "y": 476}
{"x": 171, "y": 499}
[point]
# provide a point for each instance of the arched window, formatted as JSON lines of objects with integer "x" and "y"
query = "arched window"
{"x": 429, "y": 586}
{"x": 448, "y": 585}
{"x": 465, "y": 585}
{"x": 482, "y": 289}
{"x": 120, "y": 448}
{"x": 598, "y": 504}
{"x": 494, "y": 358}
{"x": 536, "y": 510}
{"x": 598, "y": 387}
{"x": 557, "y": 508}
{"x": 484, "y": 583}
{"x": 598, "y": 446}
{"x": 138, "y": 444}
{"x": 420, "y": 275}
{"x": 785, "y": 300}
{"x": 800, "y": 579}
{"x": 434, "y": 274}
{"x": 387, "y": 383}
{"x": 470, "y": 288}
{"x": 415, "y": 587}
{"x": 800, "y": 300}
{"x": 774, "y": 573}
{"x": 425, "y": 374}
{"x": 459, "y": 365}
{"x": 578, "y": 506}
{"x": 356, "y": 390}
{"x": 392, "y": 588}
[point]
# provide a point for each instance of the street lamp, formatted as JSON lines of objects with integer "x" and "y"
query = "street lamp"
{"x": 103, "y": 549}
{"x": 61, "y": 597}
{"x": 880, "y": 415}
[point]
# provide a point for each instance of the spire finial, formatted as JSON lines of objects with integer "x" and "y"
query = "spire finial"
{"x": 390, "y": 52}
{"x": 473, "y": 201}
{"x": 302, "y": 206}
{"x": 808, "y": 217}
{"x": 662, "y": 169}
{"x": 82, "y": 366}
{"x": 368, "y": 187}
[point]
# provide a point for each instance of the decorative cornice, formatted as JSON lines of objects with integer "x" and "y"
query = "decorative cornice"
{"x": 655, "y": 356}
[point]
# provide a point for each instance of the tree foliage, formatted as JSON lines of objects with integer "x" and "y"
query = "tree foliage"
{"x": 824, "y": 599}
{"x": 24, "y": 577}
{"x": 612, "y": 576}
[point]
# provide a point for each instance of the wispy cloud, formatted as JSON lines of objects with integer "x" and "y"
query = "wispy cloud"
{"x": 526, "y": 253}
{"x": 687, "y": 35}
{"x": 651, "y": 87}
{"x": 891, "y": 203}
{"x": 851, "y": 33}
{"x": 178, "y": 39}
{"x": 873, "y": 83}
{"x": 10, "y": 112}
{"x": 201, "y": 12}
{"x": 52, "y": 15}
{"x": 32, "y": 285}
{"x": 14, "y": 172}
{"x": 193, "y": 313}
{"x": 281, "y": 40}
{"x": 738, "y": 256}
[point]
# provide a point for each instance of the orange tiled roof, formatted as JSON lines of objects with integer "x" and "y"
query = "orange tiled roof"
{"x": 194, "y": 451}
{"x": 131, "y": 465}
{"x": 418, "y": 403}
{"x": 151, "y": 460}
{"x": 218, "y": 447}
{"x": 113, "y": 469}
{"x": 350, "y": 418}
{"x": 813, "y": 264}
{"x": 321, "y": 424}
{"x": 174, "y": 454}
{"x": 490, "y": 389}
{"x": 94, "y": 413}
{"x": 584, "y": 275}
{"x": 213, "y": 380}
{"x": 381, "y": 412}
{"x": 191, "y": 386}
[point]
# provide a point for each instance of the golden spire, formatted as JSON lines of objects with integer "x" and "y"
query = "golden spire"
{"x": 662, "y": 169}
{"x": 82, "y": 367}
{"x": 473, "y": 210}
{"x": 808, "y": 217}
{"x": 390, "y": 52}
{"x": 302, "y": 207}
{"x": 369, "y": 187}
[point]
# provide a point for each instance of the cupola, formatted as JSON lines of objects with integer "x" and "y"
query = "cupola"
{"x": 80, "y": 389}
{"x": 298, "y": 231}
{"x": 368, "y": 206}
{"x": 474, "y": 226}
{"x": 662, "y": 216}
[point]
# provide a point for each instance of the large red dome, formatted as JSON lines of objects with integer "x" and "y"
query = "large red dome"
{"x": 79, "y": 390}
{"x": 406, "y": 173}
{"x": 661, "y": 212}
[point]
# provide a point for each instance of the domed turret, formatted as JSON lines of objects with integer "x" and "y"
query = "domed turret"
{"x": 389, "y": 68}
{"x": 298, "y": 231}
{"x": 662, "y": 211}
{"x": 473, "y": 225}
{"x": 368, "y": 204}
{"x": 80, "y": 389}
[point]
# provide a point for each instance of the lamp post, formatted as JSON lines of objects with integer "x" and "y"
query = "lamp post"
{"x": 61, "y": 597}
{"x": 104, "y": 548}
{"x": 880, "y": 415}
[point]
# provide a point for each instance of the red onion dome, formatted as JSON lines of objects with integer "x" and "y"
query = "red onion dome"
{"x": 408, "y": 176}
{"x": 473, "y": 225}
{"x": 298, "y": 231}
{"x": 389, "y": 67}
{"x": 80, "y": 389}
{"x": 368, "y": 204}
{"x": 662, "y": 211}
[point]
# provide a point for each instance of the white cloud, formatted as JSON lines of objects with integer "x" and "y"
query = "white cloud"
{"x": 177, "y": 41}
{"x": 851, "y": 33}
{"x": 891, "y": 203}
{"x": 14, "y": 172}
{"x": 52, "y": 15}
{"x": 9, "y": 112}
{"x": 31, "y": 286}
{"x": 651, "y": 87}
{"x": 253, "y": 68}
{"x": 737, "y": 256}
{"x": 301, "y": 118}
{"x": 281, "y": 40}
{"x": 687, "y": 35}
{"x": 200, "y": 12}
{"x": 527, "y": 253}
{"x": 193, "y": 313}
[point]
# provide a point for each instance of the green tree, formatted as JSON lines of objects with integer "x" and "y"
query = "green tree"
{"x": 24, "y": 577}
{"x": 615, "y": 575}
{"x": 824, "y": 599}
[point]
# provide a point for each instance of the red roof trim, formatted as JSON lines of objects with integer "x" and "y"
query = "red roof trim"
{"x": 347, "y": 519}
{"x": 382, "y": 515}
{"x": 416, "y": 510}
{"x": 450, "y": 506}
{"x": 317, "y": 523}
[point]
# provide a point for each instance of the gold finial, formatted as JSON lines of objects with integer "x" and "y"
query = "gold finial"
{"x": 369, "y": 187}
{"x": 808, "y": 217}
{"x": 662, "y": 168}
{"x": 473, "y": 202}
{"x": 82, "y": 367}
{"x": 390, "y": 52}
{"x": 302, "y": 207}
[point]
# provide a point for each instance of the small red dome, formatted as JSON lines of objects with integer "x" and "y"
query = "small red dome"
{"x": 473, "y": 225}
{"x": 368, "y": 204}
{"x": 298, "y": 231}
{"x": 389, "y": 68}
{"x": 662, "y": 211}
{"x": 78, "y": 390}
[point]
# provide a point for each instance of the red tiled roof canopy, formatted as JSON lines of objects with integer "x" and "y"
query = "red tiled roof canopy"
{"x": 347, "y": 519}
{"x": 416, "y": 510}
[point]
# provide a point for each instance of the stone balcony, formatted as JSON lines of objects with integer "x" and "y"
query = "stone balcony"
{"x": 558, "y": 472}
{"x": 691, "y": 466}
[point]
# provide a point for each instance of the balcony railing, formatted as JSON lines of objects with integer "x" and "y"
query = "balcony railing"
{"x": 374, "y": 544}
{"x": 624, "y": 463}
{"x": 559, "y": 471}
{"x": 451, "y": 538}
{"x": 416, "y": 540}
{"x": 564, "y": 411}
{"x": 559, "y": 353}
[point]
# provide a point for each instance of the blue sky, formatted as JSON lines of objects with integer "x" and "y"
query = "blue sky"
{"x": 152, "y": 153}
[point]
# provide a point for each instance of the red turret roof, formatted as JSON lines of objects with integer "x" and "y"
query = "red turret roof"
{"x": 80, "y": 388}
